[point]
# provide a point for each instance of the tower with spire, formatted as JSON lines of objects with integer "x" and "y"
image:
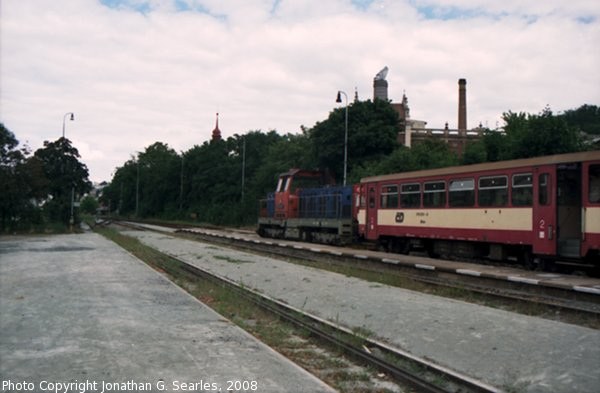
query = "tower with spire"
{"x": 216, "y": 134}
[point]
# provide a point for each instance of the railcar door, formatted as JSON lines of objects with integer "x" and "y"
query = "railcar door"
{"x": 371, "y": 222}
{"x": 569, "y": 204}
{"x": 544, "y": 210}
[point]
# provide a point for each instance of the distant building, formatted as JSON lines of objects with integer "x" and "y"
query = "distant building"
{"x": 414, "y": 131}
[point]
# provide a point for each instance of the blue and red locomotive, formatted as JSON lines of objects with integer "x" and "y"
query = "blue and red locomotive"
{"x": 543, "y": 207}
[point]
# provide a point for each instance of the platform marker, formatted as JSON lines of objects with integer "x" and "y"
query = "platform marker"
{"x": 468, "y": 272}
{"x": 594, "y": 291}
{"x": 394, "y": 261}
{"x": 426, "y": 267}
{"x": 523, "y": 280}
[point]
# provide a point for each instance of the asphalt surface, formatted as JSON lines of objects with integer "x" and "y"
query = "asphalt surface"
{"x": 511, "y": 351}
{"x": 77, "y": 313}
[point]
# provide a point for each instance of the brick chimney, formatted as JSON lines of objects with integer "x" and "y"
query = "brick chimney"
{"x": 462, "y": 104}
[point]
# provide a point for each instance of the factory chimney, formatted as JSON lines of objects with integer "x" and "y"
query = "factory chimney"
{"x": 462, "y": 104}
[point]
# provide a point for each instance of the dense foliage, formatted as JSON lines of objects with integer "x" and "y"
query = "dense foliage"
{"x": 222, "y": 181}
{"x": 39, "y": 189}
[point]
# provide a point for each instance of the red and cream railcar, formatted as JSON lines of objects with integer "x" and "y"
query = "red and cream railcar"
{"x": 544, "y": 207}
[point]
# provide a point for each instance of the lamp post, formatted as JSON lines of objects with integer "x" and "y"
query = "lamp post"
{"x": 243, "y": 167}
{"x": 65, "y": 118}
{"x": 181, "y": 185}
{"x": 339, "y": 99}
{"x": 137, "y": 188}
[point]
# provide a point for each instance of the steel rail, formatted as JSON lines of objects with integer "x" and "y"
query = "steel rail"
{"x": 330, "y": 333}
{"x": 461, "y": 282}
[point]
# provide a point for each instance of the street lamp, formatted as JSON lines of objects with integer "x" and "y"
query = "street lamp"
{"x": 339, "y": 99}
{"x": 65, "y": 118}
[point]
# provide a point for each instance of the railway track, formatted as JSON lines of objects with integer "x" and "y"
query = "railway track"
{"x": 580, "y": 302}
{"x": 513, "y": 290}
{"x": 365, "y": 350}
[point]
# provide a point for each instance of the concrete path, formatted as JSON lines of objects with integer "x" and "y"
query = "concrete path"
{"x": 77, "y": 309}
{"x": 507, "y": 350}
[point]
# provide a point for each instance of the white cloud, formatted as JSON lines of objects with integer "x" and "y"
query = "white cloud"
{"x": 134, "y": 78}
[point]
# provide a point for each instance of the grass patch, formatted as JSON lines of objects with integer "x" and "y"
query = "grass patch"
{"x": 230, "y": 259}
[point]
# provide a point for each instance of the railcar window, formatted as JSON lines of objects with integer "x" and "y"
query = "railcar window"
{"x": 544, "y": 189}
{"x": 522, "y": 189}
{"x": 461, "y": 193}
{"x": 493, "y": 191}
{"x": 410, "y": 195}
{"x": 389, "y": 197}
{"x": 434, "y": 194}
{"x": 594, "y": 185}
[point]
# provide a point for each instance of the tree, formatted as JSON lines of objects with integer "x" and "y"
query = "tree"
{"x": 89, "y": 204}
{"x": 538, "y": 135}
{"x": 14, "y": 196}
{"x": 372, "y": 131}
{"x": 586, "y": 119}
{"x": 67, "y": 177}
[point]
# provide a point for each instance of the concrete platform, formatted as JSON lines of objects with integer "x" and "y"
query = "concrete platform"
{"x": 78, "y": 309}
{"x": 510, "y": 351}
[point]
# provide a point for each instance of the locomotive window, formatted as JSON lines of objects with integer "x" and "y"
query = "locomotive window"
{"x": 594, "y": 186}
{"x": 493, "y": 191}
{"x": 434, "y": 194}
{"x": 544, "y": 189}
{"x": 306, "y": 182}
{"x": 410, "y": 195}
{"x": 389, "y": 197}
{"x": 461, "y": 192}
{"x": 522, "y": 189}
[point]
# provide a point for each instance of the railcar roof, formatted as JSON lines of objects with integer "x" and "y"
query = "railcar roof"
{"x": 489, "y": 166}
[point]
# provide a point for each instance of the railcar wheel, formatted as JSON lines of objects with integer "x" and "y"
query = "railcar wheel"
{"x": 527, "y": 260}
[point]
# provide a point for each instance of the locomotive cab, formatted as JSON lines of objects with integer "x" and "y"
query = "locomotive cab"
{"x": 289, "y": 186}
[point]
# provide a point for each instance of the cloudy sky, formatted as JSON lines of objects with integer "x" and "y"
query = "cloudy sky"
{"x": 139, "y": 71}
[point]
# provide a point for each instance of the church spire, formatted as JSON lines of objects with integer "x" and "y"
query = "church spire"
{"x": 216, "y": 134}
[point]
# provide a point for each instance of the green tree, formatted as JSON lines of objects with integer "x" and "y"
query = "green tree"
{"x": 538, "y": 135}
{"x": 13, "y": 177}
{"x": 372, "y": 132}
{"x": 586, "y": 119}
{"x": 89, "y": 204}
{"x": 67, "y": 177}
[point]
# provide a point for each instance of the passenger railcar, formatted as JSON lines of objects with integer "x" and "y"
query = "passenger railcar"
{"x": 544, "y": 207}
{"x": 533, "y": 209}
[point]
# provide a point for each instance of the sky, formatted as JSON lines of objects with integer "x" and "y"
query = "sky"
{"x": 134, "y": 72}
